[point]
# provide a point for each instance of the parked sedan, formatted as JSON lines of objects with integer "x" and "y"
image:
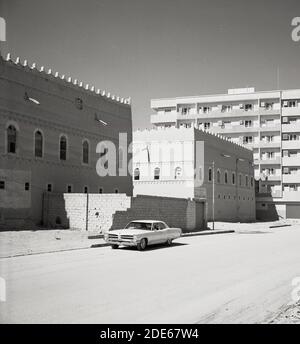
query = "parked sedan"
{"x": 142, "y": 233}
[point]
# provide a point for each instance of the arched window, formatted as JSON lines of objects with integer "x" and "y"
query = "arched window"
{"x": 63, "y": 148}
{"x": 240, "y": 180}
{"x": 11, "y": 139}
{"x": 246, "y": 181}
{"x": 233, "y": 178}
{"x": 226, "y": 177}
{"x": 210, "y": 174}
{"x": 251, "y": 181}
{"x": 137, "y": 174}
{"x": 178, "y": 172}
{"x": 156, "y": 173}
{"x": 85, "y": 152}
{"x": 38, "y": 144}
{"x": 218, "y": 176}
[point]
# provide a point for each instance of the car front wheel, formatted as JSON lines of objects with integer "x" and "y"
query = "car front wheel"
{"x": 114, "y": 247}
{"x": 142, "y": 245}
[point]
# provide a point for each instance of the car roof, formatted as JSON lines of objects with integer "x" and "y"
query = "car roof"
{"x": 147, "y": 221}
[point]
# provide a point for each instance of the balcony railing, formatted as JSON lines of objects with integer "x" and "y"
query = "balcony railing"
{"x": 270, "y": 194}
{"x": 264, "y": 111}
{"x": 273, "y": 178}
{"x": 267, "y": 128}
{"x": 263, "y": 144}
{"x": 291, "y": 196}
{"x": 291, "y": 178}
{"x": 274, "y": 161}
{"x": 295, "y": 111}
{"x": 290, "y": 144}
{"x": 290, "y": 161}
{"x": 164, "y": 118}
{"x": 291, "y": 128}
{"x": 234, "y": 129}
{"x": 232, "y": 113}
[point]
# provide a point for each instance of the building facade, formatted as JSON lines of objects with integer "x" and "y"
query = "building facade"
{"x": 50, "y": 128}
{"x": 267, "y": 122}
{"x": 190, "y": 163}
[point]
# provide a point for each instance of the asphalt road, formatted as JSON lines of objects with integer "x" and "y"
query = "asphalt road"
{"x": 226, "y": 278}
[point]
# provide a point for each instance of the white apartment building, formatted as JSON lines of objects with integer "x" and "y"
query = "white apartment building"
{"x": 267, "y": 122}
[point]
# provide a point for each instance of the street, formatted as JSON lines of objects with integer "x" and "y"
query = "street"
{"x": 228, "y": 278}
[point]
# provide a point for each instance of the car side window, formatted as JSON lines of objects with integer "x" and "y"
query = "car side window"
{"x": 161, "y": 225}
{"x": 156, "y": 226}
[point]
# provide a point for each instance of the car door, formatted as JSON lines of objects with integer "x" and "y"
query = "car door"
{"x": 155, "y": 235}
{"x": 163, "y": 232}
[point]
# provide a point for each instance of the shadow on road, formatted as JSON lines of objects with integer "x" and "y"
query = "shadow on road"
{"x": 154, "y": 247}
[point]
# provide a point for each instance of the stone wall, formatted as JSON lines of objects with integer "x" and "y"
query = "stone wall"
{"x": 103, "y": 212}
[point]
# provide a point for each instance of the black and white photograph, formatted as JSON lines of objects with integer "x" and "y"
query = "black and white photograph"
{"x": 150, "y": 165}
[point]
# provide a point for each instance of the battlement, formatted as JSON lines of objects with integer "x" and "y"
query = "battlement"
{"x": 183, "y": 129}
{"x": 67, "y": 81}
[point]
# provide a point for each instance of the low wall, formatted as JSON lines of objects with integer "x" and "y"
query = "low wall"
{"x": 103, "y": 212}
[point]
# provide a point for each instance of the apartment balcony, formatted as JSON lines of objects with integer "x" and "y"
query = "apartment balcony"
{"x": 289, "y": 161}
{"x": 190, "y": 116}
{"x": 291, "y": 128}
{"x": 291, "y": 178}
{"x": 234, "y": 129}
{"x": 263, "y": 144}
{"x": 268, "y": 128}
{"x": 274, "y": 178}
{"x": 164, "y": 118}
{"x": 264, "y": 112}
{"x": 290, "y": 111}
{"x": 291, "y": 196}
{"x": 232, "y": 113}
{"x": 290, "y": 144}
{"x": 268, "y": 195}
{"x": 276, "y": 161}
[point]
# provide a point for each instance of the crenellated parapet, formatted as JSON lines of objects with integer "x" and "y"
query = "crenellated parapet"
{"x": 67, "y": 80}
{"x": 178, "y": 129}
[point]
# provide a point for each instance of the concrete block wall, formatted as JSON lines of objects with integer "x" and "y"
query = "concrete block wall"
{"x": 92, "y": 212}
{"x": 103, "y": 212}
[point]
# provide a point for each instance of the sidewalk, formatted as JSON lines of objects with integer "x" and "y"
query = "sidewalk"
{"x": 20, "y": 243}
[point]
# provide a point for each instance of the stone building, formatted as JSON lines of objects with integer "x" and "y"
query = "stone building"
{"x": 266, "y": 121}
{"x": 190, "y": 163}
{"x": 50, "y": 126}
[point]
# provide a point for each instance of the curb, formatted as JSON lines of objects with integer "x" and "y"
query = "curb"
{"x": 55, "y": 251}
{"x": 205, "y": 232}
{"x": 209, "y": 232}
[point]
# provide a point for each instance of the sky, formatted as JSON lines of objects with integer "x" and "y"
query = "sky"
{"x": 149, "y": 49}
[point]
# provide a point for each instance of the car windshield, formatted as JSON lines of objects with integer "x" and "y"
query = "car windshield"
{"x": 139, "y": 225}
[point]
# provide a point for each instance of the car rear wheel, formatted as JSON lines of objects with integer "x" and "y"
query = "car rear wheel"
{"x": 142, "y": 245}
{"x": 114, "y": 247}
{"x": 169, "y": 242}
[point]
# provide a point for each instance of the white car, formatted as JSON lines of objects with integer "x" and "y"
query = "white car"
{"x": 142, "y": 233}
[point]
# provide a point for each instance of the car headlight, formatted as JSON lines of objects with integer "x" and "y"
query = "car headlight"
{"x": 135, "y": 238}
{"x": 105, "y": 236}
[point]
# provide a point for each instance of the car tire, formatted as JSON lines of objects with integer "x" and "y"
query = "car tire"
{"x": 169, "y": 242}
{"x": 114, "y": 247}
{"x": 142, "y": 245}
